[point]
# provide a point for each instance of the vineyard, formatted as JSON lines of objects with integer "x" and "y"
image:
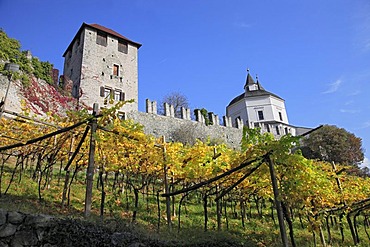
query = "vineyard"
{"x": 265, "y": 187}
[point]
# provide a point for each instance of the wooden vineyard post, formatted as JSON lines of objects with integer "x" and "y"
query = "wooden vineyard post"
{"x": 166, "y": 187}
{"x": 279, "y": 210}
{"x": 90, "y": 167}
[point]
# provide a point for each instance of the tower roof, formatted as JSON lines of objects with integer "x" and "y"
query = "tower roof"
{"x": 249, "y": 81}
{"x": 260, "y": 91}
{"x": 102, "y": 29}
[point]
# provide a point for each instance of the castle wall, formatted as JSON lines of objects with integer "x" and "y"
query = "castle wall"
{"x": 72, "y": 64}
{"x": 171, "y": 127}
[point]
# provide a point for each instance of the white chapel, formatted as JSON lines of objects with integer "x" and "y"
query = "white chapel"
{"x": 258, "y": 108}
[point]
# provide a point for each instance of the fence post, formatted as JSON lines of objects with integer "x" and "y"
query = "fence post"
{"x": 90, "y": 167}
{"x": 279, "y": 210}
{"x": 166, "y": 186}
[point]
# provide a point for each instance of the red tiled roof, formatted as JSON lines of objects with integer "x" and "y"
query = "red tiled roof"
{"x": 103, "y": 29}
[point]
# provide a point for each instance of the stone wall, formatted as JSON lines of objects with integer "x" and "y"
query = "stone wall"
{"x": 171, "y": 127}
{"x": 14, "y": 97}
{"x": 19, "y": 229}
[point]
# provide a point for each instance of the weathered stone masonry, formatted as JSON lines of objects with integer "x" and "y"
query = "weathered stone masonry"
{"x": 167, "y": 125}
{"x": 19, "y": 229}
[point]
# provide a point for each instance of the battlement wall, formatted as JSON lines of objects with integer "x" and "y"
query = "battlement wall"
{"x": 181, "y": 128}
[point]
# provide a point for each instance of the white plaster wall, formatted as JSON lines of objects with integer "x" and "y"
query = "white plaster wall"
{"x": 279, "y": 106}
{"x": 237, "y": 109}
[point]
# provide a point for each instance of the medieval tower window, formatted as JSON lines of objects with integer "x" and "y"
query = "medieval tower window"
{"x": 260, "y": 115}
{"x": 119, "y": 95}
{"x": 121, "y": 115}
{"x": 115, "y": 70}
{"x": 122, "y": 46}
{"x": 101, "y": 38}
{"x": 105, "y": 92}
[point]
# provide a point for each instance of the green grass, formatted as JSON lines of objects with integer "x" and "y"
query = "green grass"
{"x": 23, "y": 196}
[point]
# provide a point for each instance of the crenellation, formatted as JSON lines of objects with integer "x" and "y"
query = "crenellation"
{"x": 198, "y": 116}
{"x": 217, "y": 120}
{"x": 166, "y": 108}
{"x": 172, "y": 111}
{"x": 212, "y": 118}
{"x": 151, "y": 106}
{"x": 227, "y": 121}
{"x": 239, "y": 123}
{"x": 148, "y": 106}
{"x": 188, "y": 115}
{"x": 154, "y": 107}
{"x": 183, "y": 113}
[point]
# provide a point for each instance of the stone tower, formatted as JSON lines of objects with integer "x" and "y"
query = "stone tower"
{"x": 102, "y": 65}
{"x": 258, "y": 108}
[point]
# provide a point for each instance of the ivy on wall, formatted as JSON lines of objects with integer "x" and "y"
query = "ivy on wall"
{"x": 10, "y": 51}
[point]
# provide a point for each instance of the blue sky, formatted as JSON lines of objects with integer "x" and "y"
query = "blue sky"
{"x": 315, "y": 54}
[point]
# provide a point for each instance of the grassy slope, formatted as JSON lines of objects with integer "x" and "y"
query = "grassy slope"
{"x": 23, "y": 196}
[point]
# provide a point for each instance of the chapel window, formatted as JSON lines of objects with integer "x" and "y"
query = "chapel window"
{"x": 280, "y": 116}
{"x": 277, "y": 130}
{"x": 260, "y": 115}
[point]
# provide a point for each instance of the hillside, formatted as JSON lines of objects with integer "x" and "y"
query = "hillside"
{"x": 32, "y": 89}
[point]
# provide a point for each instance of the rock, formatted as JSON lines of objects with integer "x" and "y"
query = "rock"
{"x": 39, "y": 220}
{"x": 24, "y": 238}
{"x": 3, "y": 214}
{"x": 15, "y": 217}
{"x": 2, "y": 244}
{"x": 137, "y": 245}
{"x": 7, "y": 230}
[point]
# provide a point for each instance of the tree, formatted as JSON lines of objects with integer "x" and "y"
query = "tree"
{"x": 334, "y": 144}
{"x": 177, "y": 100}
{"x": 205, "y": 115}
{"x": 9, "y": 48}
{"x": 188, "y": 134}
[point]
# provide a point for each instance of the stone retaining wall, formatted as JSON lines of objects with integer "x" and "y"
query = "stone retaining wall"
{"x": 19, "y": 229}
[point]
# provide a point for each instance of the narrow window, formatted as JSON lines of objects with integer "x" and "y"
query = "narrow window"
{"x": 260, "y": 115}
{"x": 115, "y": 69}
{"x": 101, "y": 38}
{"x": 280, "y": 116}
{"x": 117, "y": 95}
{"x": 267, "y": 128}
{"x": 122, "y": 46}
{"x": 107, "y": 92}
{"x": 277, "y": 130}
{"x": 121, "y": 115}
{"x": 286, "y": 131}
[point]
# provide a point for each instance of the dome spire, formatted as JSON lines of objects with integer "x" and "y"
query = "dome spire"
{"x": 249, "y": 81}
